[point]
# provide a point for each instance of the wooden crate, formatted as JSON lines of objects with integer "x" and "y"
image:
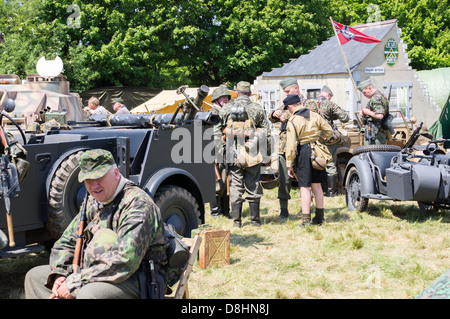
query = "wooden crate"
{"x": 215, "y": 247}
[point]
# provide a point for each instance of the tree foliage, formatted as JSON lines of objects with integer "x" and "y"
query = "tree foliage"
{"x": 173, "y": 42}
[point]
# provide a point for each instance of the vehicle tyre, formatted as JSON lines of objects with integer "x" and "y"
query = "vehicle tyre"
{"x": 376, "y": 148}
{"x": 179, "y": 208}
{"x": 65, "y": 195}
{"x": 353, "y": 188}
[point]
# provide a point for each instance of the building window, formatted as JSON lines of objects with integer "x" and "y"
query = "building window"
{"x": 312, "y": 94}
{"x": 269, "y": 99}
{"x": 399, "y": 94}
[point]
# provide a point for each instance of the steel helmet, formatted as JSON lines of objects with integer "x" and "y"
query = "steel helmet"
{"x": 220, "y": 91}
{"x": 269, "y": 181}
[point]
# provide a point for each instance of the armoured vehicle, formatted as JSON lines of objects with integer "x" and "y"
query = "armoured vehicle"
{"x": 388, "y": 172}
{"x": 169, "y": 155}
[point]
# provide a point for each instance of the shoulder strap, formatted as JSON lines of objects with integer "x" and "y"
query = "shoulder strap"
{"x": 112, "y": 207}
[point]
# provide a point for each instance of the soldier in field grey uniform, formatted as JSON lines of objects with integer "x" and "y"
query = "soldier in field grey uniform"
{"x": 122, "y": 223}
{"x": 330, "y": 111}
{"x": 246, "y": 130}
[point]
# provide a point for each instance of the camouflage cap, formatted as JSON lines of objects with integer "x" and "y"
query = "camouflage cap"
{"x": 364, "y": 84}
{"x": 95, "y": 164}
{"x": 243, "y": 86}
{"x": 288, "y": 81}
{"x": 325, "y": 88}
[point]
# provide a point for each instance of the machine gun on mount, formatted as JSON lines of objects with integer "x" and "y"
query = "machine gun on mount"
{"x": 412, "y": 139}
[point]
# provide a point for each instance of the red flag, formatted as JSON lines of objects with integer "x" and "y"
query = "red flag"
{"x": 346, "y": 33}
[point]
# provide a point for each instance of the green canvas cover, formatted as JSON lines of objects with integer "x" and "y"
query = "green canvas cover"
{"x": 441, "y": 128}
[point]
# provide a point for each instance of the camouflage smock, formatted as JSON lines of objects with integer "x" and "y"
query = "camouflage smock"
{"x": 378, "y": 103}
{"x": 110, "y": 255}
{"x": 330, "y": 111}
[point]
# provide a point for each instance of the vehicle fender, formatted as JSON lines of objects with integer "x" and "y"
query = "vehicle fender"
{"x": 362, "y": 164}
{"x": 56, "y": 165}
{"x": 154, "y": 182}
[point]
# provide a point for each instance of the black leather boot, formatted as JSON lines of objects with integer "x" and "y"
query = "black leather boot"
{"x": 331, "y": 181}
{"x": 318, "y": 217}
{"x": 216, "y": 211}
{"x": 236, "y": 210}
{"x": 225, "y": 203}
{"x": 254, "y": 212}
{"x": 284, "y": 213}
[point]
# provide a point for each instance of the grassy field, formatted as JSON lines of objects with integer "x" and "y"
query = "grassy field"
{"x": 391, "y": 251}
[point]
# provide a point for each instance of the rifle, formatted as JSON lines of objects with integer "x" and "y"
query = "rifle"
{"x": 8, "y": 174}
{"x": 80, "y": 238}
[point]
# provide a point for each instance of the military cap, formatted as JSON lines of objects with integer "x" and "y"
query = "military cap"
{"x": 291, "y": 100}
{"x": 243, "y": 86}
{"x": 94, "y": 164}
{"x": 288, "y": 81}
{"x": 364, "y": 84}
{"x": 117, "y": 100}
{"x": 325, "y": 88}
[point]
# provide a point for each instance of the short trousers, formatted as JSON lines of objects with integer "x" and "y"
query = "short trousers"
{"x": 306, "y": 174}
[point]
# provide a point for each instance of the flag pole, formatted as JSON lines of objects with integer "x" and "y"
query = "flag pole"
{"x": 345, "y": 59}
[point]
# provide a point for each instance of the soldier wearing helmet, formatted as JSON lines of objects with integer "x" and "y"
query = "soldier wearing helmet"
{"x": 247, "y": 142}
{"x": 221, "y": 96}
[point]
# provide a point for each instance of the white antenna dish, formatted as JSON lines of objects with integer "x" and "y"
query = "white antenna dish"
{"x": 49, "y": 68}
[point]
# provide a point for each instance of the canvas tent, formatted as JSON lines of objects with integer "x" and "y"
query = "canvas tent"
{"x": 132, "y": 96}
{"x": 168, "y": 100}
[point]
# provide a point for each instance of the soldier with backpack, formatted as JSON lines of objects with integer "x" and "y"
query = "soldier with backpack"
{"x": 247, "y": 137}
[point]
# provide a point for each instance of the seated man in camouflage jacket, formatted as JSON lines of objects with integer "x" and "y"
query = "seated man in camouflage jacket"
{"x": 122, "y": 223}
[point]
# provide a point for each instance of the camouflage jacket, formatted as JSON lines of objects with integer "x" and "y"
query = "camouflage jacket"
{"x": 330, "y": 111}
{"x": 110, "y": 254}
{"x": 379, "y": 104}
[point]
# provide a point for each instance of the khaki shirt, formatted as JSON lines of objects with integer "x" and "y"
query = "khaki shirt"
{"x": 304, "y": 127}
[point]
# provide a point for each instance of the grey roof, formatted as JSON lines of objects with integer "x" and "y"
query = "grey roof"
{"x": 327, "y": 58}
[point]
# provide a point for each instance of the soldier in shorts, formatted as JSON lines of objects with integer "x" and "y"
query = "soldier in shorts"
{"x": 122, "y": 223}
{"x": 303, "y": 128}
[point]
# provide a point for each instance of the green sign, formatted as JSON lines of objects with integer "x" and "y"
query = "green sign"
{"x": 391, "y": 52}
